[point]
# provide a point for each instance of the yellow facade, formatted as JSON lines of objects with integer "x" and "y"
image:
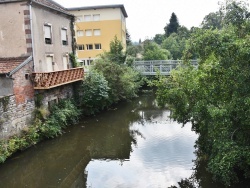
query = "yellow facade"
{"x": 96, "y": 27}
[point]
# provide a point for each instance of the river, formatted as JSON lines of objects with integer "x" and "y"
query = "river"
{"x": 133, "y": 145}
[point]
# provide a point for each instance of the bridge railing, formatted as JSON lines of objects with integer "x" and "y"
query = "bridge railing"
{"x": 164, "y": 67}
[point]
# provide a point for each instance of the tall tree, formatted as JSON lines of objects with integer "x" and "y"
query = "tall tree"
{"x": 128, "y": 38}
{"x": 236, "y": 12}
{"x": 212, "y": 21}
{"x": 172, "y": 26}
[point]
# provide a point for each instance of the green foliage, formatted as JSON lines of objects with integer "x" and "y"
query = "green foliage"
{"x": 123, "y": 81}
{"x": 235, "y": 13}
{"x": 133, "y": 50}
{"x": 128, "y": 39}
{"x": 212, "y": 21}
{"x": 73, "y": 60}
{"x": 159, "y": 38}
{"x": 62, "y": 114}
{"x": 94, "y": 91}
{"x": 152, "y": 51}
{"x": 175, "y": 45}
{"x": 215, "y": 98}
{"x": 116, "y": 53}
{"x": 173, "y": 25}
{"x": 5, "y": 102}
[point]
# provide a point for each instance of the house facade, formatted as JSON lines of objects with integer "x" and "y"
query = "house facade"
{"x": 36, "y": 38}
{"x": 96, "y": 27}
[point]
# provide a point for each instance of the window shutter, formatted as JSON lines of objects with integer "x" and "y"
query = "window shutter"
{"x": 47, "y": 31}
{"x": 64, "y": 34}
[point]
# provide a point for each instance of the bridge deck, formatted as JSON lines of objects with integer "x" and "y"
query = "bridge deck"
{"x": 164, "y": 67}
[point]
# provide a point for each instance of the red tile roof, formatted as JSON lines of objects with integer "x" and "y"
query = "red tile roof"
{"x": 8, "y": 64}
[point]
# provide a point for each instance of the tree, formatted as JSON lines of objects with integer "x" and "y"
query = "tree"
{"x": 172, "y": 26}
{"x": 128, "y": 39}
{"x": 152, "y": 51}
{"x": 159, "y": 38}
{"x": 235, "y": 12}
{"x": 94, "y": 93}
{"x": 183, "y": 32}
{"x": 123, "y": 81}
{"x": 116, "y": 53}
{"x": 175, "y": 45}
{"x": 215, "y": 98}
{"x": 212, "y": 21}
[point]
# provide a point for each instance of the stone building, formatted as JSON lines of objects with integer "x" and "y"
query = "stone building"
{"x": 36, "y": 38}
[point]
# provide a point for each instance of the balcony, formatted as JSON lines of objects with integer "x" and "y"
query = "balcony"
{"x": 48, "y": 80}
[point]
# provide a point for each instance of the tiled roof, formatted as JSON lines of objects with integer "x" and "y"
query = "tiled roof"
{"x": 8, "y": 64}
{"x": 52, "y": 4}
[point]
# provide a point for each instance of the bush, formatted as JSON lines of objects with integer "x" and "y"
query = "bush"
{"x": 94, "y": 91}
{"x": 123, "y": 81}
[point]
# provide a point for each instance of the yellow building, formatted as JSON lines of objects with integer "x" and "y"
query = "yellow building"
{"x": 96, "y": 27}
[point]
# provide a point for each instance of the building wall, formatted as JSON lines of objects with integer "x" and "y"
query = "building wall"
{"x": 16, "y": 116}
{"x": 12, "y": 29}
{"x": 16, "y": 110}
{"x": 56, "y": 50}
{"x": 111, "y": 23}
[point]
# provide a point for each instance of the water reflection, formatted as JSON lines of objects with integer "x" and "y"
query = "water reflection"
{"x": 162, "y": 153}
{"x": 132, "y": 145}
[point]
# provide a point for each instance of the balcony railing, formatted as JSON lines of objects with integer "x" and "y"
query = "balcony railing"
{"x": 48, "y": 80}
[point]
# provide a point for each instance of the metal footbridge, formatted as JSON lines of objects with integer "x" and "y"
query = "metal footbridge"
{"x": 163, "y": 67}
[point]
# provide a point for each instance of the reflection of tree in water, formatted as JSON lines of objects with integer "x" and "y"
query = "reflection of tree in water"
{"x": 201, "y": 178}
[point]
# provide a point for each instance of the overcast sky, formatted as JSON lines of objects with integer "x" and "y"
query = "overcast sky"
{"x": 148, "y": 17}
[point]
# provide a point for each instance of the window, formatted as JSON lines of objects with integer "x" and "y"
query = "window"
{"x": 98, "y": 46}
{"x": 97, "y": 32}
{"x": 88, "y": 32}
{"x": 80, "y": 33}
{"x": 87, "y": 18}
{"x": 65, "y": 63}
{"x": 47, "y": 34}
{"x": 89, "y": 61}
{"x": 79, "y": 19}
{"x": 80, "y": 47}
{"x": 64, "y": 36}
{"x": 49, "y": 62}
{"x": 96, "y": 17}
{"x": 89, "y": 46}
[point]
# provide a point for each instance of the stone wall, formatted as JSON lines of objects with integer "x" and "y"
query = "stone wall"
{"x": 16, "y": 114}
{"x": 14, "y": 117}
{"x": 51, "y": 96}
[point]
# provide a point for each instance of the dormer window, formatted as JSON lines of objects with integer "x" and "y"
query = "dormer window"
{"x": 48, "y": 33}
{"x": 64, "y": 36}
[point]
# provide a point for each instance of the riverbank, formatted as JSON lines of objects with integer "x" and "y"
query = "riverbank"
{"x": 44, "y": 127}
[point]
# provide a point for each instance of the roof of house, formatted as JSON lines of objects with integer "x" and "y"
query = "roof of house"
{"x": 46, "y": 3}
{"x": 10, "y": 63}
{"x": 101, "y": 7}
{"x": 52, "y": 5}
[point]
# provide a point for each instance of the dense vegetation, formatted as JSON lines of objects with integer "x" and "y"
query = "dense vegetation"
{"x": 215, "y": 98}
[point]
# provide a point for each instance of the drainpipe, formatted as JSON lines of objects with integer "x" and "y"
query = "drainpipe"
{"x": 32, "y": 37}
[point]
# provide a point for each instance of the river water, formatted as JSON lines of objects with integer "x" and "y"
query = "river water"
{"x": 133, "y": 145}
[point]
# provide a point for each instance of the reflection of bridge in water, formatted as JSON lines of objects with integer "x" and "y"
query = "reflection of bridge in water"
{"x": 164, "y": 67}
